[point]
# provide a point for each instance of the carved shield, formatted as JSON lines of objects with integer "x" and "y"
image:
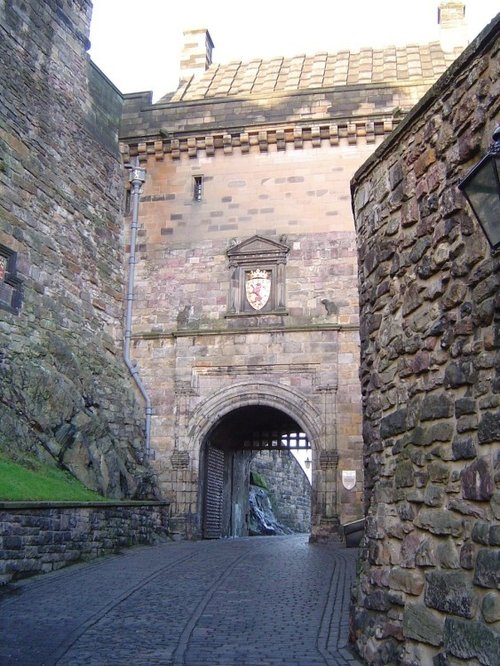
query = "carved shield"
{"x": 258, "y": 288}
{"x": 349, "y": 478}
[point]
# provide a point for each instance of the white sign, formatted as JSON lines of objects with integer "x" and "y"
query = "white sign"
{"x": 348, "y": 478}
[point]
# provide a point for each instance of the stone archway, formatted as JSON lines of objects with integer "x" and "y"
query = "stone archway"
{"x": 225, "y": 463}
{"x": 243, "y": 394}
{"x": 293, "y": 408}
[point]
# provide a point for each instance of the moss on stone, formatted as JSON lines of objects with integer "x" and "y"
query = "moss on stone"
{"x": 257, "y": 479}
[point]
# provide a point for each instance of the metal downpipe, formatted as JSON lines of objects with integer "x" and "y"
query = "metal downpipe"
{"x": 137, "y": 177}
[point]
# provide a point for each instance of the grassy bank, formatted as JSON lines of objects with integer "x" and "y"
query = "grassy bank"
{"x": 36, "y": 481}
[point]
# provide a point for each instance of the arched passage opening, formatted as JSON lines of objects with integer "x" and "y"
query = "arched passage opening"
{"x": 292, "y": 404}
{"x": 226, "y": 460}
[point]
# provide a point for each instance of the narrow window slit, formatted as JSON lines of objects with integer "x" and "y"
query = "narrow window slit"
{"x": 197, "y": 188}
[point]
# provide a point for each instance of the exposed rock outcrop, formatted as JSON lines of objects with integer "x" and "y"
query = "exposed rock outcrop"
{"x": 65, "y": 393}
{"x": 262, "y": 521}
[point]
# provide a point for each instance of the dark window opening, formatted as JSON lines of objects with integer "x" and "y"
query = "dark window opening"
{"x": 126, "y": 204}
{"x": 197, "y": 188}
{"x": 10, "y": 284}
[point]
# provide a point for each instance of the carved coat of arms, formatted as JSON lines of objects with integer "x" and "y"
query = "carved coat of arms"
{"x": 258, "y": 288}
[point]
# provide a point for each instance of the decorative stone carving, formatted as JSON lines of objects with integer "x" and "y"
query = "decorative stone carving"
{"x": 257, "y": 284}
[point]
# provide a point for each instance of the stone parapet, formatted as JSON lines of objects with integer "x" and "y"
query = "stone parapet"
{"x": 429, "y": 311}
{"x": 37, "y": 537}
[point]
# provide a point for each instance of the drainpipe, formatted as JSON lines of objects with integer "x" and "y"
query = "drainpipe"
{"x": 137, "y": 177}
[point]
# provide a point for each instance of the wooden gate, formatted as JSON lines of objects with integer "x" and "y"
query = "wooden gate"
{"x": 214, "y": 490}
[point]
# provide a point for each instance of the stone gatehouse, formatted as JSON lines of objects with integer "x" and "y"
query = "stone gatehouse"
{"x": 245, "y": 323}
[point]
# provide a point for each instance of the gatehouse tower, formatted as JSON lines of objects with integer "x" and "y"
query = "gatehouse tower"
{"x": 246, "y": 327}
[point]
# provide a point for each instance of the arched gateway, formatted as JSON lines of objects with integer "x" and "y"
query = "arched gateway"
{"x": 226, "y": 459}
{"x": 236, "y": 421}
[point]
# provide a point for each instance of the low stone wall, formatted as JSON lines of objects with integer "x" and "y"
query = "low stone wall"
{"x": 37, "y": 537}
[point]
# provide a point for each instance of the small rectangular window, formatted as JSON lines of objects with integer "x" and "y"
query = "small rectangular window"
{"x": 10, "y": 284}
{"x": 197, "y": 188}
{"x": 126, "y": 204}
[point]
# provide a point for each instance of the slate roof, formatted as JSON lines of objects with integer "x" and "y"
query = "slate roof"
{"x": 322, "y": 70}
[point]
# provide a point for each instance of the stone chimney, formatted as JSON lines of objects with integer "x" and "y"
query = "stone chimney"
{"x": 453, "y": 26}
{"x": 196, "y": 54}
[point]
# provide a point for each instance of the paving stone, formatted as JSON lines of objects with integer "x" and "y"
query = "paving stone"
{"x": 250, "y": 601}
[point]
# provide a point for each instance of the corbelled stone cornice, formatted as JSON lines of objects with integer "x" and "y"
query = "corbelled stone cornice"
{"x": 292, "y": 136}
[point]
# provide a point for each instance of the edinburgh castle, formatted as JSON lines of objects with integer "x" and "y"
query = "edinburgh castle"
{"x": 274, "y": 257}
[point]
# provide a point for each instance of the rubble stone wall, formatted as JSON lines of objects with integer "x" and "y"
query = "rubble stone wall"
{"x": 65, "y": 394}
{"x": 289, "y": 488}
{"x": 430, "y": 315}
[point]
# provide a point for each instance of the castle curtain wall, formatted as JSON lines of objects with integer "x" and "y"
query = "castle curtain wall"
{"x": 428, "y": 589}
{"x": 65, "y": 394}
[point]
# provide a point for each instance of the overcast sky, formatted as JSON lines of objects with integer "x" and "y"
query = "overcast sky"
{"x": 137, "y": 43}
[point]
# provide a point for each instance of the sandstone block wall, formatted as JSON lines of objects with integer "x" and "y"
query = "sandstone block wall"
{"x": 429, "y": 289}
{"x": 37, "y": 538}
{"x": 188, "y": 344}
{"x": 65, "y": 394}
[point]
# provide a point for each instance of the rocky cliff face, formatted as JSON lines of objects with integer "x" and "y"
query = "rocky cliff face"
{"x": 262, "y": 521}
{"x": 290, "y": 490}
{"x": 65, "y": 394}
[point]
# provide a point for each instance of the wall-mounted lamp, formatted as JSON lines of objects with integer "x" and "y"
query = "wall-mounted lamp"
{"x": 307, "y": 463}
{"x": 481, "y": 187}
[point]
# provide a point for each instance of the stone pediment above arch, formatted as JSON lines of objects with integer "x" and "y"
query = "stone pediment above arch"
{"x": 258, "y": 248}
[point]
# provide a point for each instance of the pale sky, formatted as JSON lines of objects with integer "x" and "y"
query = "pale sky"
{"x": 137, "y": 43}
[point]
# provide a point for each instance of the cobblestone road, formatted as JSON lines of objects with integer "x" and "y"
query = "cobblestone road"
{"x": 240, "y": 602}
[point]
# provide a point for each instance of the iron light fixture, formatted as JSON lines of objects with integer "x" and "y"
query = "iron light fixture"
{"x": 481, "y": 187}
{"x": 307, "y": 463}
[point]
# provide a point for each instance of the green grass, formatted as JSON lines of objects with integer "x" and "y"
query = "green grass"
{"x": 40, "y": 482}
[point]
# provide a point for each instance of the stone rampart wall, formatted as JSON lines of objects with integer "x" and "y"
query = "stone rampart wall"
{"x": 40, "y": 537}
{"x": 65, "y": 392}
{"x": 428, "y": 591}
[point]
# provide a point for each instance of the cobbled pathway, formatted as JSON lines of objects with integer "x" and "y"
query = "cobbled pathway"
{"x": 255, "y": 601}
